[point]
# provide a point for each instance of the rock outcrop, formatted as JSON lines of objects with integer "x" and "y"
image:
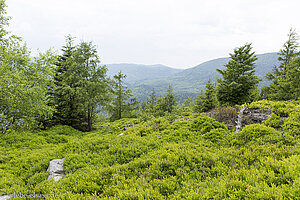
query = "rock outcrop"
{"x": 248, "y": 116}
{"x": 55, "y": 169}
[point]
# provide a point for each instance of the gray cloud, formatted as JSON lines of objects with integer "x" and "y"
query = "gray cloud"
{"x": 178, "y": 33}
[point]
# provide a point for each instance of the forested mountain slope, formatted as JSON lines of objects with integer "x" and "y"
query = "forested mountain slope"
{"x": 189, "y": 82}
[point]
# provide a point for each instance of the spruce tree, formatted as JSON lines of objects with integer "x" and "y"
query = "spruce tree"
{"x": 288, "y": 84}
{"x": 90, "y": 81}
{"x": 286, "y": 54}
{"x": 62, "y": 101}
{"x": 281, "y": 87}
{"x": 206, "y": 100}
{"x": 81, "y": 85}
{"x": 239, "y": 79}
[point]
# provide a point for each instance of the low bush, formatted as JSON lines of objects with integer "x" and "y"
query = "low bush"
{"x": 253, "y": 132}
{"x": 162, "y": 158}
{"x": 226, "y": 115}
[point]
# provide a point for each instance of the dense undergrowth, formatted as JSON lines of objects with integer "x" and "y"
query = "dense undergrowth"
{"x": 194, "y": 158}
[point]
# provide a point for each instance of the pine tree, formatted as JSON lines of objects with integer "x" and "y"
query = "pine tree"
{"x": 239, "y": 79}
{"x": 123, "y": 104}
{"x": 293, "y": 76}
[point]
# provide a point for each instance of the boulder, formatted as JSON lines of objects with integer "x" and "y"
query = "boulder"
{"x": 55, "y": 169}
{"x": 256, "y": 115}
{"x": 5, "y": 197}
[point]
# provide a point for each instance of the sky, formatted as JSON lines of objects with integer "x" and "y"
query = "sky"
{"x": 176, "y": 33}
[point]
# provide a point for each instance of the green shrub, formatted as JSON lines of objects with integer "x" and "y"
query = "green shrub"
{"x": 218, "y": 136}
{"x": 292, "y": 124}
{"x": 273, "y": 121}
{"x": 187, "y": 159}
{"x": 253, "y": 132}
{"x": 204, "y": 124}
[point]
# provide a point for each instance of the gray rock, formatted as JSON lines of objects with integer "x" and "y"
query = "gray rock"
{"x": 239, "y": 119}
{"x": 248, "y": 116}
{"x": 55, "y": 169}
{"x": 4, "y": 197}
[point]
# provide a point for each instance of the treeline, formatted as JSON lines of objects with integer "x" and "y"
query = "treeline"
{"x": 72, "y": 88}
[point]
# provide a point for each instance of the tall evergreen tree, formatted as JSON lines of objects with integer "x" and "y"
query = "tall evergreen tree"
{"x": 123, "y": 104}
{"x": 239, "y": 79}
{"x": 286, "y": 54}
{"x": 281, "y": 87}
{"x": 287, "y": 86}
{"x": 81, "y": 85}
{"x": 64, "y": 102}
{"x": 91, "y": 81}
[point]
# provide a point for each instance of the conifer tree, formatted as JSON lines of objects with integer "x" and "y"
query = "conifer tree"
{"x": 91, "y": 81}
{"x": 206, "y": 100}
{"x": 81, "y": 85}
{"x": 63, "y": 102}
{"x": 188, "y": 105}
{"x": 286, "y": 54}
{"x": 282, "y": 88}
{"x": 151, "y": 103}
{"x": 167, "y": 103}
{"x": 287, "y": 86}
{"x": 123, "y": 104}
{"x": 239, "y": 79}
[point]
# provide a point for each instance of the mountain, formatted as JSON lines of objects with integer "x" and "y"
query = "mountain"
{"x": 136, "y": 73}
{"x": 189, "y": 82}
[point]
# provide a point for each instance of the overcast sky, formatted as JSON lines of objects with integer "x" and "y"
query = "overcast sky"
{"x": 177, "y": 33}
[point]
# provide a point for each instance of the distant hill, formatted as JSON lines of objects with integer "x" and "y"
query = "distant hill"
{"x": 186, "y": 83}
{"x": 136, "y": 73}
